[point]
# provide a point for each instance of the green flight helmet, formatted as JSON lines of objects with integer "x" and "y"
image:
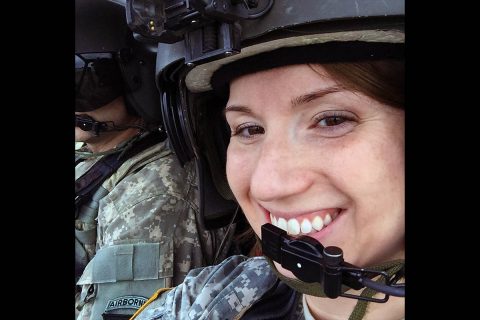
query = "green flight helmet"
{"x": 193, "y": 73}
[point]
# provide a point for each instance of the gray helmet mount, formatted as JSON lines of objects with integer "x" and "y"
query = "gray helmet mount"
{"x": 109, "y": 62}
{"x": 199, "y": 39}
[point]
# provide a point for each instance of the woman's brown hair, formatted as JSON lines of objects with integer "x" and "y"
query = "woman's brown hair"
{"x": 382, "y": 80}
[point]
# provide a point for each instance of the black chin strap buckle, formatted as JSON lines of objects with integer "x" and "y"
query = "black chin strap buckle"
{"x": 311, "y": 262}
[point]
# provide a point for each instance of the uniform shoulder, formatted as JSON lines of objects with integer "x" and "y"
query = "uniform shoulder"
{"x": 214, "y": 292}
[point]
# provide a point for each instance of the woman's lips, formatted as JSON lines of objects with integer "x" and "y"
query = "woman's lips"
{"x": 305, "y": 224}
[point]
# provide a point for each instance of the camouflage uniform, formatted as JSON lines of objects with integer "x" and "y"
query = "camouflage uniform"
{"x": 149, "y": 234}
{"x": 225, "y": 291}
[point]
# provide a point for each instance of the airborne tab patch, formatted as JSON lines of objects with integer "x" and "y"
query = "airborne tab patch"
{"x": 125, "y": 302}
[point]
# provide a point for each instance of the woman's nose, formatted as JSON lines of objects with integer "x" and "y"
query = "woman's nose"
{"x": 279, "y": 172}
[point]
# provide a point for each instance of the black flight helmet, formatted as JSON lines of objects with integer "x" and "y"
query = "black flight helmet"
{"x": 109, "y": 62}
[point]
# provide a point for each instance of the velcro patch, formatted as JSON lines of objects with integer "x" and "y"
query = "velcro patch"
{"x": 125, "y": 302}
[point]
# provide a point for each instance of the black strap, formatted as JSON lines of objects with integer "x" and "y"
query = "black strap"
{"x": 78, "y": 159}
{"x": 86, "y": 185}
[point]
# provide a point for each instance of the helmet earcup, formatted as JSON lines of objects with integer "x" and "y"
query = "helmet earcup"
{"x": 206, "y": 143}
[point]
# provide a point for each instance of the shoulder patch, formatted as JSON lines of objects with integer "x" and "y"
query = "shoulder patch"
{"x": 125, "y": 302}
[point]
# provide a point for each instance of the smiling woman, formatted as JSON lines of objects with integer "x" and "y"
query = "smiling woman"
{"x": 316, "y": 151}
{"x": 313, "y": 156}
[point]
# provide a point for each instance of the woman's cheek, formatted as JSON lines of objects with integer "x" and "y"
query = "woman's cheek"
{"x": 237, "y": 170}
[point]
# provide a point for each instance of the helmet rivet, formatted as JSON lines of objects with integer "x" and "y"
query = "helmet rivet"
{"x": 228, "y": 53}
{"x": 151, "y": 22}
{"x": 152, "y": 28}
{"x": 190, "y": 64}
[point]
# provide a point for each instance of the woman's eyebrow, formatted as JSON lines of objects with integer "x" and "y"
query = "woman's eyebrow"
{"x": 237, "y": 109}
{"x": 302, "y": 99}
{"x": 307, "y": 97}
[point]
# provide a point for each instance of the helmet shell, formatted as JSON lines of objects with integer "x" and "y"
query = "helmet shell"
{"x": 101, "y": 27}
{"x": 193, "y": 112}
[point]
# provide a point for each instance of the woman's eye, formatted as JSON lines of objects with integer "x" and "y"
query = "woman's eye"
{"x": 334, "y": 123}
{"x": 248, "y": 131}
{"x": 331, "y": 121}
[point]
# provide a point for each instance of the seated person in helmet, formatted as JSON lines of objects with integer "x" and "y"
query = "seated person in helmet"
{"x": 135, "y": 204}
{"x": 316, "y": 149}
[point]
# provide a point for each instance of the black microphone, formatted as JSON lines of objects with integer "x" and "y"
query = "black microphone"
{"x": 87, "y": 123}
{"x": 311, "y": 262}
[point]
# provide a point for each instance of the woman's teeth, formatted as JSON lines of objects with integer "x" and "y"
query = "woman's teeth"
{"x": 303, "y": 225}
{"x": 293, "y": 226}
{"x": 306, "y": 226}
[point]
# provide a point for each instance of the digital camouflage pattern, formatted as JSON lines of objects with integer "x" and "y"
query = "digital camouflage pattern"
{"x": 225, "y": 291}
{"x": 152, "y": 199}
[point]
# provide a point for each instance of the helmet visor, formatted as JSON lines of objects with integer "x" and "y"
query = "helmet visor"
{"x": 98, "y": 81}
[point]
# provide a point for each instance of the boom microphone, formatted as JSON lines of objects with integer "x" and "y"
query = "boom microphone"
{"x": 311, "y": 262}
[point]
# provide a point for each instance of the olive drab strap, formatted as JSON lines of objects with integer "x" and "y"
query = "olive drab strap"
{"x": 391, "y": 268}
